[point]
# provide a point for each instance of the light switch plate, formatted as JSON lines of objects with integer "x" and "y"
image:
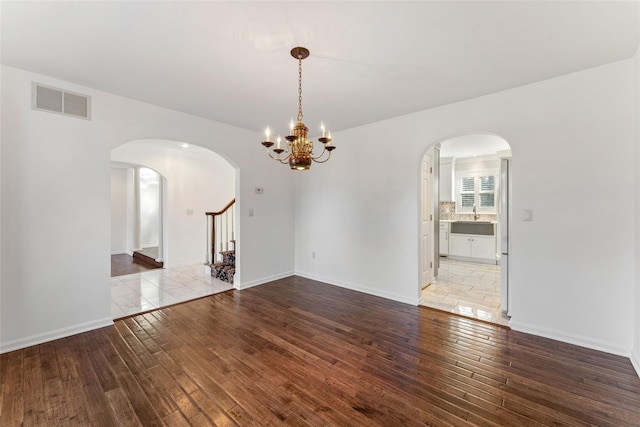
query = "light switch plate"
{"x": 528, "y": 214}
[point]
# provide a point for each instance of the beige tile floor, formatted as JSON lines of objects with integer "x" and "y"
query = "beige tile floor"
{"x": 466, "y": 288}
{"x": 135, "y": 293}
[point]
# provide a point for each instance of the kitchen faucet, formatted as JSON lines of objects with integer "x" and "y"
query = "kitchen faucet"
{"x": 475, "y": 213}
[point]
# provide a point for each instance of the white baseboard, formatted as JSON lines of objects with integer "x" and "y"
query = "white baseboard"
{"x": 364, "y": 289}
{"x": 582, "y": 341}
{"x": 122, "y": 253}
{"x": 6, "y": 347}
{"x": 471, "y": 259}
{"x": 635, "y": 360}
{"x": 263, "y": 280}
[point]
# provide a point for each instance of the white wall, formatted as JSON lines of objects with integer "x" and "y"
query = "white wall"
{"x": 573, "y": 277}
{"x": 150, "y": 208}
{"x": 197, "y": 180}
{"x": 476, "y": 163}
{"x": 118, "y": 210}
{"x": 132, "y": 211}
{"x": 55, "y": 177}
{"x": 635, "y": 355}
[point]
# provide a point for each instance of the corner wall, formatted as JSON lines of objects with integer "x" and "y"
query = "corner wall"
{"x": 635, "y": 354}
{"x": 119, "y": 210}
{"x": 573, "y": 158}
{"x": 55, "y": 187}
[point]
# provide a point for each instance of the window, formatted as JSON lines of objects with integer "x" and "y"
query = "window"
{"x": 476, "y": 188}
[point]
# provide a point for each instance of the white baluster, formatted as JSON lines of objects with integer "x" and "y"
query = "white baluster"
{"x": 220, "y": 238}
{"x": 206, "y": 240}
{"x": 232, "y": 227}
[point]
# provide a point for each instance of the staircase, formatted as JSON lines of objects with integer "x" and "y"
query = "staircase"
{"x": 221, "y": 246}
{"x": 227, "y": 268}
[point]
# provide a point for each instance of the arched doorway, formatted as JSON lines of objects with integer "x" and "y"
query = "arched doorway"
{"x": 471, "y": 193}
{"x": 190, "y": 181}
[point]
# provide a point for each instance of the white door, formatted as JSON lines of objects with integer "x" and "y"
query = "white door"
{"x": 426, "y": 223}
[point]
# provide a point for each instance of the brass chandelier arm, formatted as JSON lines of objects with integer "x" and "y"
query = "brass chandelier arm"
{"x": 324, "y": 149}
{"x": 315, "y": 159}
{"x": 280, "y": 159}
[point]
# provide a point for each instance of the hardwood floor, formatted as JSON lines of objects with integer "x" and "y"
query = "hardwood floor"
{"x": 300, "y": 352}
{"x": 123, "y": 264}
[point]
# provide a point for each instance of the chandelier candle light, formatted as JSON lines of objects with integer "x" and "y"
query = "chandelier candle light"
{"x": 299, "y": 150}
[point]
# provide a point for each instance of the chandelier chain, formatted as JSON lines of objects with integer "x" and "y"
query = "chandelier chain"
{"x": 299, "y": 88}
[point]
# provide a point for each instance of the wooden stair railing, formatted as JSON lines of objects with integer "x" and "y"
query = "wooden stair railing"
{"x": 220, "y": 232}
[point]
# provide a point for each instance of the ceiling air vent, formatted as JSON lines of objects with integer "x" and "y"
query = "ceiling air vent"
{"x": 47, "y": 98}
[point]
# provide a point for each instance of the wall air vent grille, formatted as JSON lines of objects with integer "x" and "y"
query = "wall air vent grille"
{"x": 46, "y": 98}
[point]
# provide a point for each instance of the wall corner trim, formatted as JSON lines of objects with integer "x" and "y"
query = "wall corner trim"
{"x": 29, "y": 341}
{"x": 263, "y": 280}
{"x": 364, "y": 289}
{"x": 635, "y": 360}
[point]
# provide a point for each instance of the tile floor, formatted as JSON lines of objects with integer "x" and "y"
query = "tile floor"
{"x": 466, "y": 288}
{"x": 135, "y": 293}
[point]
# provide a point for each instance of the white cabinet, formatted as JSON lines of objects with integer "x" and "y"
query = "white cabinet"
{"x": 482, "y": 248}
{"x": 460, "y": 245}
{"x": 444, "y": 238}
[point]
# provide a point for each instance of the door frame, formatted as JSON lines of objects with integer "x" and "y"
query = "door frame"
{"x": 436, "y": 209}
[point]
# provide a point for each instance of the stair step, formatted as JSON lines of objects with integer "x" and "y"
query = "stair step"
{"x": 228, "y": 257}
{"x": 142, "y": 258}
{"x": 219, "y": 264}
{"x": 223, "y": 271}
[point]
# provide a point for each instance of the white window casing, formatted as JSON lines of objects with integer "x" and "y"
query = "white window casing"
{"x": 476, "y": 188}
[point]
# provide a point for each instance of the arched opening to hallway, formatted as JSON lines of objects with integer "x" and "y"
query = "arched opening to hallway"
{"x": 138, "y": 214}
{"x": 191, "y": 181}
{"x": 465, "y": 202}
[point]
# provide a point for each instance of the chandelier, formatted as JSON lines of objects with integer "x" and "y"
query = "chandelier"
{"x": 299, "y": 149}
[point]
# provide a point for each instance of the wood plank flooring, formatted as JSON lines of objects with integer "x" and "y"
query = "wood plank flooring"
{"x": 123, "y": 264}
{"x": 300, "y": 352}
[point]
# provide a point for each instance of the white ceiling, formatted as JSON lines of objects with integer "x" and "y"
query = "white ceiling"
{"x": 229, "y": 61}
